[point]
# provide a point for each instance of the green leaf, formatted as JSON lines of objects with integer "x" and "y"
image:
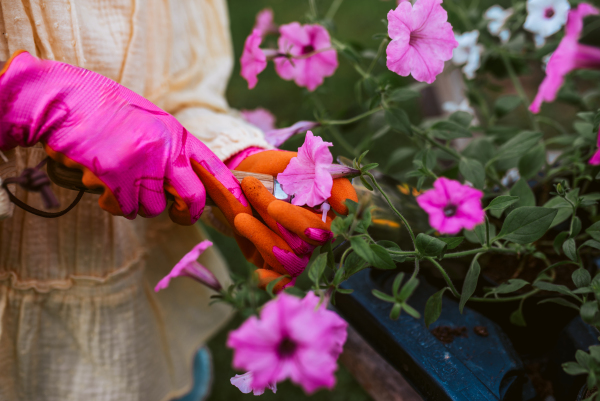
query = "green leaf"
{"x": 449, "y": 130}
{"x": 524, "y": 192}
{"x": 407, "y": 289}
{"x": 340, "y": 225}
{"x": 470, "y": 284}
{"x": 589, "y": 311}
{"x": 481, "y": 149}
{"x": 518, "y": 145}
{"x": 526, "y": 224}
{"x": 382, "y": 259}
{"x": 383, "y": 296}
{"x": 546, "y": 286}
{"x": 462, "y": 118}
{"x": 452, "y": 242}
{"x": 433, "y": 307}
{"x": 411, "y": 311}
{"x": 576, "y": 227}
{"x": 594, "y": 231}
{"x": 506, "y": 104}
{"x": 398, "y": 120}
{"x": 345, "y": 290}
{"x": 517, "y": 318}
{"x": 502, "y": 202}
{"x": 396, "y": 284}
{"x": 317, "y": 268}
{"x": 573, "y": 368}
{"x": 560, "y": 301}
{"x": 533, "y": 161}
{"x": 512, "y": 285}
{"x": 570, "y": 249}
{"x": 402, "y": 95}
{"x": 565, "y": 210}
{"x": 353, "y": 264}
{"x": 581, "y": 277}
{"x": 365, "y": 183}
{"x": 362, "y": 249}
{"x": 591, "y": 243}
{"x": 395, "y": 313}
{"x": 430, "y": 246}
{"x": 480, "y": 233}
{"x": 559, "y": 240}
{"x": 392, "y": 246}
{"x": 473, "y": 172}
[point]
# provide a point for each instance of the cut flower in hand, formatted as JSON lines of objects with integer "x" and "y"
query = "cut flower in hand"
{"x": 309, "y": 176}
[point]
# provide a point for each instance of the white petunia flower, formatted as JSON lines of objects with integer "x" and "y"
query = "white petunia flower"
{"x": 497, "y": 17}
{"x": 545, "y": 18}
{"x": 452, "y": 107}
{"x": 469, "y": 52}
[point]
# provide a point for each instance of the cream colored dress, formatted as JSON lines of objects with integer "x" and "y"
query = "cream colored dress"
{"x": 79, "y": 319}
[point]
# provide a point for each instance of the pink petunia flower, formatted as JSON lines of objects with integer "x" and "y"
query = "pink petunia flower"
{"x": 422, "y": 39}
{"x": 254, "y": 59}
{"x": 244, "y": 383}
{"x": 188, "y": 266}
{"x": 452, "y": 206}
{"x": 277, "y": 137}
{"x": 293, "y": 338}
{"x": 570, "y": 55}
{"x": 595, "y": 160}
{"x": 261, "y": 118}
{"x": 264, "y": 22}
{"x": 309, "y": 176}
{"x": 298, "y": 41}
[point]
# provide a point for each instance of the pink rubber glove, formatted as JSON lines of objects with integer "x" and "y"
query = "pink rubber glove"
{"x": 122, "y": 142}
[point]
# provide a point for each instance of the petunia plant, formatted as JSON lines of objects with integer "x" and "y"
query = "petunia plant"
{"x": 498, "y": 164}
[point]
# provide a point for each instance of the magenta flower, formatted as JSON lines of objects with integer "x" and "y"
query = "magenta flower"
{"x": 298, "y": 41}
{"x": 254, "y": 59}
{"x": 264, "y": 22}
{"x": 569, "y": 55}
{"x": 422, "y": 39}
{"x": 189, "y": 266}
{"x": 244, "y": 383}
{"x": 309, "y": 176}
{"x": 452, "y": 206}
{"x": 276, "y": 137}
{"x": 293, "y": 338}
{"x": 261, "y": 118}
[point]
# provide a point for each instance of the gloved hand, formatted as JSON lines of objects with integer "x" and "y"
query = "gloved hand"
{"x": 301, "y": 228}
{"x": 122, "y": 142}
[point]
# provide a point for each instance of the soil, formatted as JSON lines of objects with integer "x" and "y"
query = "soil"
{"x": 447, "y": 334}
{"x": 542, "y": 386}
{"x": 481, "y": 331}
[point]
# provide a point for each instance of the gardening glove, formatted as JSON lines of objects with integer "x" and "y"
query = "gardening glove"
{"x": 122, "y": 142}
{"x": 301, "y": 228}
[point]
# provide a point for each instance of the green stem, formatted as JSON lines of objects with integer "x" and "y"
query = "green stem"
{"x": 519, "y": 88}
{"x": 487, "y": 231}
{"x": 410, "y": 231}
{"x": 435, "y": 143}
{"x": 446, "y": 277}
{"x": 478, "y": 250}
{"x": 550, "y": 122}
{"x": 416, "y": 271}
{"x": 507, "y": 299}
{"x": 379, "y": 53}
{"x": 353, "y": 119}
{"x": 333, "y": 9}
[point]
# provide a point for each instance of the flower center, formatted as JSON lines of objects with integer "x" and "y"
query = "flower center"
{"x": 286, "y": 347}
{"x": 549, "y": 12}
{"x": 414, "y": 38}
{"x": 450, "y": 210}
{"x": 308, "y": 49}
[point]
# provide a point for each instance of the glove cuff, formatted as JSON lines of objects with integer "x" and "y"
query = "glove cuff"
{"x": 7, "y": 64}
